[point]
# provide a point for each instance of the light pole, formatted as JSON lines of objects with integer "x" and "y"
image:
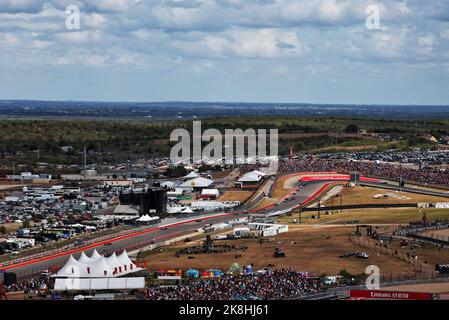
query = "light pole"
{"x": 99, "y": 152}
{"x": 319, "y": 209}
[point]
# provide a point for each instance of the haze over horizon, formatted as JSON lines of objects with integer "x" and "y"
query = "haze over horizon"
{"x": 260, "y": 51}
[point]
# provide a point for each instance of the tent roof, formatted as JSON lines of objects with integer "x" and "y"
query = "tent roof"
{"x": 124, "y": 259}
{"x": 253, "y": 176}
{"x": 187, "y": 210}
{"x": 96, "y": 266}
{"x": 197, "y": 183}
{"x": 191, "y": 175}
{"x": 95, "y": 255}
{"x": 85, "y": 259}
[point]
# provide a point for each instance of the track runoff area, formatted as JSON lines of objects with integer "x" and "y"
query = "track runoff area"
{"x": 307, "y": 189}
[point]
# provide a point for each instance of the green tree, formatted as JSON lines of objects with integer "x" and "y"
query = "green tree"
{"x": 352, "y": 128}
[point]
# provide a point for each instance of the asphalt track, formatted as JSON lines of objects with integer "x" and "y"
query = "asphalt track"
{"x": 31, "y": 268}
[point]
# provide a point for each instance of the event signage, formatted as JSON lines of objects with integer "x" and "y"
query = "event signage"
{"x": 390, "y": 295}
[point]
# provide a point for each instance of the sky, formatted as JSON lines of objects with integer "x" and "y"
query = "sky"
{"x": 303, "y": 51}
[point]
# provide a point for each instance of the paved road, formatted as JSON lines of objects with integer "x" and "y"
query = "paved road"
{"x": 175, "y": 228}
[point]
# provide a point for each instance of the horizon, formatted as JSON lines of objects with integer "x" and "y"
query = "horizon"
{"x": 227, "y": 102}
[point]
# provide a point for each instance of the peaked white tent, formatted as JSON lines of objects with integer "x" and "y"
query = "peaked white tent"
{"x": 97, "y": 266}
{"x": 100, "y": 269}
{"x": 72, "y": 268}
{"x": 126, "y": 262}
{"x": 95, "y": 255}
{"x": 85, "y": 259}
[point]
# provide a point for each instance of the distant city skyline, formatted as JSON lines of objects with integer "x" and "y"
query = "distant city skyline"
{"x": 256, "y": 51}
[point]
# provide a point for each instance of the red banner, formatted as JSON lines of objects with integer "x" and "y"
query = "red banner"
{"x": 335, "y": 178}
{"x": 390, "y": 295}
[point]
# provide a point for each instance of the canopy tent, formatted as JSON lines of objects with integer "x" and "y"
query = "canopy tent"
{"x": 85, "y": 259}
{"x": 100, "y": 269}
{"x": 113, "y": 262}
{"x": 146, "y": 219}
{"x": 191, "y": 175}
{"x": 187, "y": 210}
{"x": 95, "y": 255}
{"x": 253, "y": 176}
{"x": 197, "y": 183}
{"x": 97, "y": 266}
{"x": 72, "y": 268}
{"x": 126, "y": 262}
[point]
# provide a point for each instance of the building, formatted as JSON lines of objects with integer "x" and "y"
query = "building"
{"x": 150, "y": 199}
{"x": 268, "y": 229}
{"x": 209, "y": 194}
{"x": 118, "y": 183}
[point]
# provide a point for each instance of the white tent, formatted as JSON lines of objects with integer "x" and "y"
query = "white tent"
{"x": 97, "y": 266}
{"x": 113, "y": 262}
{"x": 144, "y": 218}
{"x": 95, "y": 255}
{"x": 187, "y": 210}
{"x": 147, "y": 218}
{"x": 73, "y": 268}
{"x": 197, "y": 183}
{"x": 100, "y": 268}
{"x": 253, "y": 176}
{"x": 191, "y": 175}
{"x": 125, "y": 262}
{"x": 85, "y": 259}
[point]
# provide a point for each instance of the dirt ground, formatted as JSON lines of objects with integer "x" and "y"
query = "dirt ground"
{"x": 12, "y": 227}
{"x": 364, "y": 195}
{"x": 308, "y": 248}
{"x": 220, "y": 174}
{"x": 442, "y": 233}
{"x": 235, "y": 196}
{"x": 442, "y": 287}
{"x": 284, "y": 185}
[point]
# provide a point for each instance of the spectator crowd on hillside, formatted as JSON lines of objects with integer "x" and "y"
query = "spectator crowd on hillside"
{"x": 270, "y": 285}
{"x": 430, "y": 176}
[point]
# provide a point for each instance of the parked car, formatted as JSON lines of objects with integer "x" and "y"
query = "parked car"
{"x": 279, "y": 253}
{"x": 362, "y": 255}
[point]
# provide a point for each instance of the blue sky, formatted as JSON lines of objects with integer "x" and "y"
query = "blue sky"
{"x": 313, "y": 51}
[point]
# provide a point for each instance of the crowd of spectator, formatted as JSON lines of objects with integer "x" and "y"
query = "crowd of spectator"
{"x": 428, "y": 176}
{"x": 26, "y": 286}
{"x": 270, "y": 285}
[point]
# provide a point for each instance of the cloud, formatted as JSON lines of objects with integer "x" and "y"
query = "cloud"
{"x": 15, "y": 6}
{"x": 213, "y": 36}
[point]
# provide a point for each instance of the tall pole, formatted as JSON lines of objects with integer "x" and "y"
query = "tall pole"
{"x": 85, "y": 164}
{"x": 99, "y": 152}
